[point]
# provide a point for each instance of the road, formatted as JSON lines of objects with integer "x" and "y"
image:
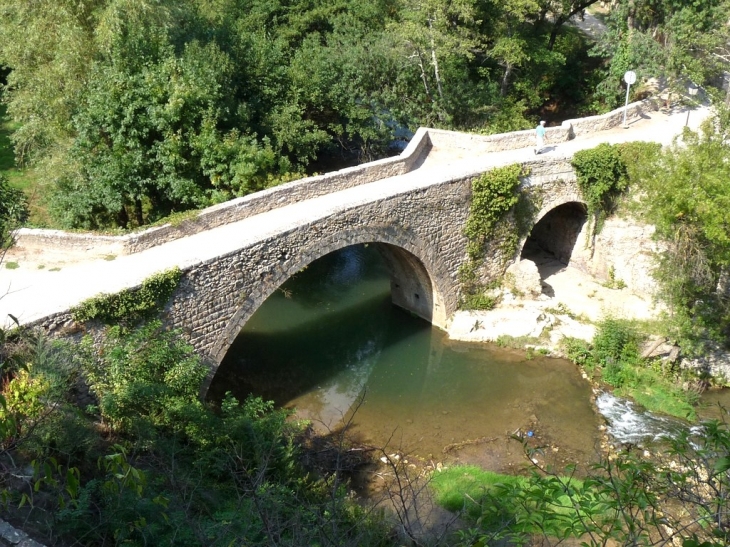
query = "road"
{"x": 30, "y": 293}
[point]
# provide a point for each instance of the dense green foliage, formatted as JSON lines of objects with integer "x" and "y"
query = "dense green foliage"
{"x": 686, "y": 195}
{"x": 679, "y": 497}
{"x": 673, "y": 41}
{"x": 149, "y": 463}
{"x": 683, "y": 191}
{"x": 601, "y": 175}
{"x": 131, "y": 305}
{"x": 133, "y": 110}
{"x": 13, "y": 211}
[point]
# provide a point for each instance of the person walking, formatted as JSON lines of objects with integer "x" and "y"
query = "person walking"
{"x": 540, "y": 137}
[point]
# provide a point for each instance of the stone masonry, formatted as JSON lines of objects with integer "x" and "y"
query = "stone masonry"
{"x": 413, "y": 214}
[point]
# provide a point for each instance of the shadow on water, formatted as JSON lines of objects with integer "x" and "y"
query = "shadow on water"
{"x": 330, "y": 279}
{"x": 331, "y": 336}
{"x": 281, "y": 366}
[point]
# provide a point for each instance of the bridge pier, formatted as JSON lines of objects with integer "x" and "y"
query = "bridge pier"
{"x": 411, "y": 287}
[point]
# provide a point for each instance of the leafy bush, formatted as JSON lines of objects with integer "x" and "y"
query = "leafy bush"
{"x": 13, "y": 211}
{"x": 602, "y": 176}
{"x": 479, "y": 301}
{"x": 616, "y": 341}
{"x": 146, "y": 377}
{"x": 577, "y": 350}
{"x": 639, "y": 159}
{"x": 182, "y": 473}
{"x": 133, "y": 305}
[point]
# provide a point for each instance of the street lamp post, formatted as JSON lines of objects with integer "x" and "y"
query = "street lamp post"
{"x": 629, "y": 78}
{"x": 692, "y": 89}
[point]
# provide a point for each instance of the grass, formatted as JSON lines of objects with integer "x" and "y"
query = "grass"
{"x": 652, "y": 390}
{"x": 459, "y": 487}
{"x": 26, "y": 179}
{"x": 493, "y": 500}
{"x": 517, "y": 342}
{"x": 12, "y": 265}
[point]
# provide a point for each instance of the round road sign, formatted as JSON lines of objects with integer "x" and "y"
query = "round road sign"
{"x": 630, "y": 77}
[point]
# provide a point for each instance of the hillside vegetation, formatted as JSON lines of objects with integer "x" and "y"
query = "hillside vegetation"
{"x": 134, "y": 109}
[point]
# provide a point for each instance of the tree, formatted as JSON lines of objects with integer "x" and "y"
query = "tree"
{"x": 49, "y": 45}
{"x": 687, "y": 196}
{"x": 678, "y": 41}
{"x": 431, "y": 33}
{"x": 558, "y": 12}
{"x": 13, "y": 212}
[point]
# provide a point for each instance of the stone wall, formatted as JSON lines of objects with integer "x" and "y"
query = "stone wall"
{"x": 615, "y": 118}
{"x": 627, "y": 247}
{"x": 233, "y": 210}
{"x": 240, "y": 208}
{"x": 418, "y": 230}
{"x": 569, "y": 129}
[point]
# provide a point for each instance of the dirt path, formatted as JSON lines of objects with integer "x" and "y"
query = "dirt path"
{"x": 592, "y": 23}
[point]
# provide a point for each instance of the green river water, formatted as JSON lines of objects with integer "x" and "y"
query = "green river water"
{"x": 329, "y": 342}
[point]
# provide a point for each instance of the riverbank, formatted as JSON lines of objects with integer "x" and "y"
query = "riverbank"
{"x": 570, "y": 305}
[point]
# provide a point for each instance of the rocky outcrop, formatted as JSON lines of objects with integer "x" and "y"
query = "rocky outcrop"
{"x": 524, "y": 277}
{"x": 12, "y": 537}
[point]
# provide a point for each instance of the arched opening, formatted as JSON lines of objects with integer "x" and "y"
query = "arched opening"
{"x": 315, "y": 339}
{"x": 410, "y": 386}
{"x": 552, "y": 242}
{"x": 417, "y": 284}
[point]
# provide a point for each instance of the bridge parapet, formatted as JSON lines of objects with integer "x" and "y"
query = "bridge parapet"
{"x": 423, "y": 141}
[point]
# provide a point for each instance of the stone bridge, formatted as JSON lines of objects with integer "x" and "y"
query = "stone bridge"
{"x": 233, "y": 256}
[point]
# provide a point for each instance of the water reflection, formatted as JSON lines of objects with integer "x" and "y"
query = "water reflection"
{"x": 331, "y": 336}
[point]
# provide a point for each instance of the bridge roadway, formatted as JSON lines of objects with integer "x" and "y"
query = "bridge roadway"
{"x": 31, "y": 295}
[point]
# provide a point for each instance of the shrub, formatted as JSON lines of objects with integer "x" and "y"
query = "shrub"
{"x": 479, "y": 301}
{"x": 602, "y": 176}
{"x": 13, "y": 211}
{"x": 577, "y": 350}
{"x": 130, "y": 305}
{"x": 143, "y": 378}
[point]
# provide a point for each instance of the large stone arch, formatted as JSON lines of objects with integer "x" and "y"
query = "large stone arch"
{"x": 418, "y": 281}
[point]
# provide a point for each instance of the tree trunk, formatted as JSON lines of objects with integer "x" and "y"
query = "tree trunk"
{"x": 435, "y": 63}
{"x": 139, "y": 217}
{"x": 424, "y": 79}
{"x": 123, "y": 217}
{"x": 505, "y": 80}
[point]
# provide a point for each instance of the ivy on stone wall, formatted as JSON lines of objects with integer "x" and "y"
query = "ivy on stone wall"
{"x": 602, "y": 176}
{"x": 130, "y": 305}
{"x": 494, "y": 195}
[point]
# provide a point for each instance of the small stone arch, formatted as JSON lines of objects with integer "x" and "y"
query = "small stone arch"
{"x": 418, "y": 282}
{"x": 557, "y": 239}
{"x": 557, "y": 231}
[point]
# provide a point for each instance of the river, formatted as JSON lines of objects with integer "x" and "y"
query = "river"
{"x": 329, "y": 343}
